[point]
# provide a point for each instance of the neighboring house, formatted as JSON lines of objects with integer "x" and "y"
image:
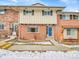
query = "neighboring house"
{"x": 39, "y": 22}
{"x": 8, "y": 21}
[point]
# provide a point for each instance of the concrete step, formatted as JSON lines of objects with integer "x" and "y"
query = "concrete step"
{"x": 30, "y": 43}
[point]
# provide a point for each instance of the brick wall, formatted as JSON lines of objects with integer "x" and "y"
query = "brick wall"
{"x": 23, "y": 34}
{"x": 10, "y": 16}
{"x": 67, "y": 24}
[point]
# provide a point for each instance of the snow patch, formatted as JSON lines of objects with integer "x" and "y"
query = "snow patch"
{"x": 5, "y": 54}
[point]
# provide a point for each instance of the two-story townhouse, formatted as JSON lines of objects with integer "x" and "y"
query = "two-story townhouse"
{"x": 37, "y": 22}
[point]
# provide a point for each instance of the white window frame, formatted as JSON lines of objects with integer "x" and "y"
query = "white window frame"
{"x": 28, "y": 12}
{"x": 64, "y": 17}
{"x": 71, "y": 36}
{"x": 47, "y": 13}
{"x": 69, "y": 17}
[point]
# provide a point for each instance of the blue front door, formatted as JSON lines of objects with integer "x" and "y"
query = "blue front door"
{"x": 49, "y": 31}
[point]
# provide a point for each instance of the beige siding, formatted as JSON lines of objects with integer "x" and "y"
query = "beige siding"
{"x": 37, "y": 18}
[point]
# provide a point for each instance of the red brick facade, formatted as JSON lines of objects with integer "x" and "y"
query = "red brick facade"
{"x": 67, "y": 24}
{"x": 25, "y": 35}
{"x": 8, "y": 18}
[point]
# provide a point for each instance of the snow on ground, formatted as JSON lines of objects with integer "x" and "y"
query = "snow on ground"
{"x": 5, "y": 54}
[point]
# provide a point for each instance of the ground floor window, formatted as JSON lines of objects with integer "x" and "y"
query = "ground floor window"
{"x": 32, "y": 29}
{"x": 1, "y": 26}
{"x": 70, "y": 33}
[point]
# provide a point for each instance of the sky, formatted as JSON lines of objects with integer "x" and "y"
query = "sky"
{"x": 70, "y": 5}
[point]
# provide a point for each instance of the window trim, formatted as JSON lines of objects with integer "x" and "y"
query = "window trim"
{"x": 75, "y": 17}
{"x": 71, "y": 36}
{"x": 47, "y": 13}
{"x": 64, "y": 17}
{"x": 68, "y": 17}
{"x": 28, "y": 12}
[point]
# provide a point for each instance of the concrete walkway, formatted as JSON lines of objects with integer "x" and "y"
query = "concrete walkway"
{"x": 38, "y": 48}
{"x": 51, "y": 45}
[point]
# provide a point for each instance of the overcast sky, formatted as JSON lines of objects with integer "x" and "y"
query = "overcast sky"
{"x": 71, "y": 5}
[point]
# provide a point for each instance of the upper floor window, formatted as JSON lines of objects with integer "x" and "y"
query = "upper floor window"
{"x": 75, "y": 17}
{"x": 47, "y": 12}
{"x": 2, "y": 11}
{"x": 65, "y": 17}
{"x": 62, "y": 16}
{"x": 1, "y": 26}
{"x": 28, "y": 12}
{"x": 69, "y": 17}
